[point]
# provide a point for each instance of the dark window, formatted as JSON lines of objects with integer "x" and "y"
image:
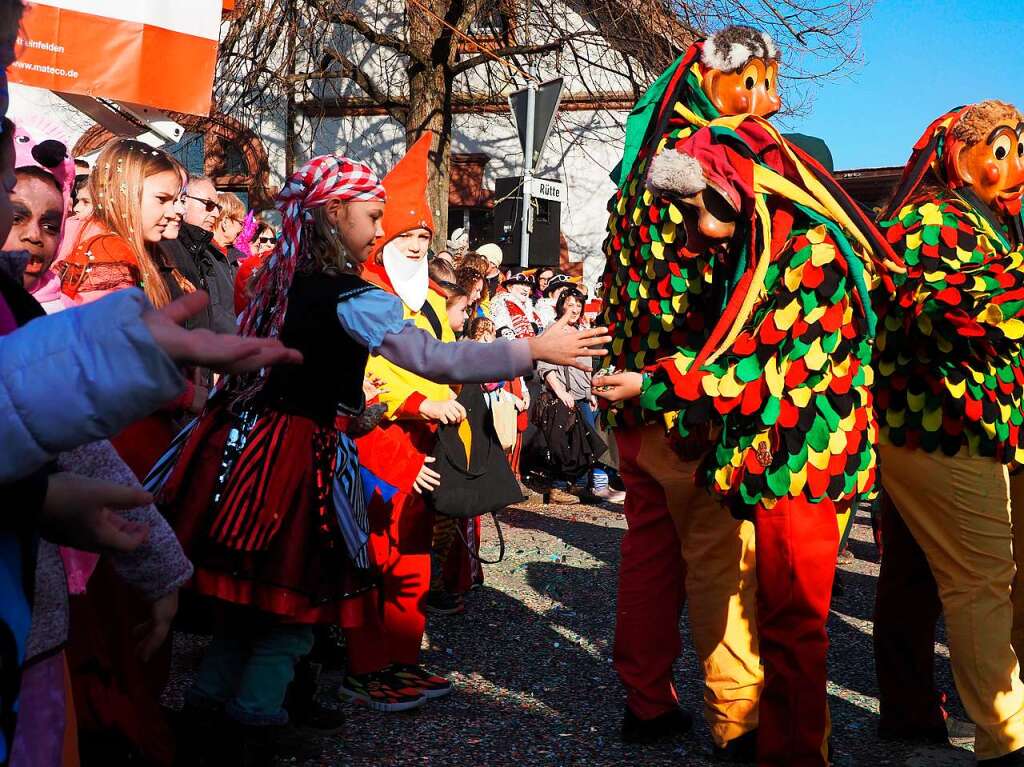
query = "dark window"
{"x": 234, "y": 161}
{"x": 190, "y": 151}
{"x": 491, "y": 23}
{"x": 478, "y": 221}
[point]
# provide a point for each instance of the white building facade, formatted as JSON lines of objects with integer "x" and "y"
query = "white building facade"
{"x": 584, "y": 147}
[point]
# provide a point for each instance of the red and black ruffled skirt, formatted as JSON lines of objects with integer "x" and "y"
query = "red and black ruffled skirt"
{"x": 252, "y": 498}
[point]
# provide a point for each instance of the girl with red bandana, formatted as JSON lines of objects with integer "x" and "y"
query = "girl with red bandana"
{"x": 265, "y": 494}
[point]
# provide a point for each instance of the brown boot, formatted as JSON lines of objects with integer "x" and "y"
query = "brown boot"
{"x": 558, "y": 495}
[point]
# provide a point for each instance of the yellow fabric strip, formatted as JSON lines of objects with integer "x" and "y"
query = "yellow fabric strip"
{"x": 753, "y": 294}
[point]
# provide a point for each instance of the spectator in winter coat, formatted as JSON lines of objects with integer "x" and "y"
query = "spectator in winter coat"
{"x": 198, "y": 258}
{"x": 114, "y": 361}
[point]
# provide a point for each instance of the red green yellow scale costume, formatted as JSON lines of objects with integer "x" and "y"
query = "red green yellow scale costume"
{"x": 949, "y": 403}
{"x": 785, "y": 376}
{"x": 658, "y": 297}
{"x": 949, "y": 352}
{"x": 783, "y": 381}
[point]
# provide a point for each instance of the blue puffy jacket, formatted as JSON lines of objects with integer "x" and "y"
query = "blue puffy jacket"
{"x": 78, "y": 376}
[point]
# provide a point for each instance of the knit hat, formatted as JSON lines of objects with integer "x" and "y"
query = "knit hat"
{"x": 406, "y": 187}
{"x": 491, "y": 252}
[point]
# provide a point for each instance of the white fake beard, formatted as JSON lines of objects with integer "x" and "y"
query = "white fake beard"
{"x": 409, "y": 278}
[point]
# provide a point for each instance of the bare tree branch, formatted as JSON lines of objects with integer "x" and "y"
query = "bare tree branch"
{"x": 397, "y": 110}
{"x": 375, "y": 37}
{"x": 512, "y": 50}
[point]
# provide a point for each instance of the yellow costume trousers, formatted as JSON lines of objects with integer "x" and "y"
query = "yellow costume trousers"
{"x": 720, "y": 582}
{"x": 958, "y": 510}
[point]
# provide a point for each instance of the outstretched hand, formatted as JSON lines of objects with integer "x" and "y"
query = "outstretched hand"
{"x": 82, "y": 512}
{"x": 222, "y": 352}
{"x": 561, "y": 344}
{"x": 618, "y": 387}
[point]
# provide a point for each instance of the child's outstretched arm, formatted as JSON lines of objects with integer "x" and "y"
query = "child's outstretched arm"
{"x": 374, "y": 318}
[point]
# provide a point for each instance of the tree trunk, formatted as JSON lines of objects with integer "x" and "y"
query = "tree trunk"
{"x": 430, "y": 99}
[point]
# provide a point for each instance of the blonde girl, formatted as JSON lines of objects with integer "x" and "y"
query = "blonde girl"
{"x": 136, "y": 191}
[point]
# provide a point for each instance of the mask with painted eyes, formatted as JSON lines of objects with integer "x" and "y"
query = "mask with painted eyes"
{"x": 740, "y": 72}
{"x": 994, "y": 167}
{"x": 753, "y": 89}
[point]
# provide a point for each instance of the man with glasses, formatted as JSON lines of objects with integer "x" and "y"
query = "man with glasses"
{"x": 199, "y": 259}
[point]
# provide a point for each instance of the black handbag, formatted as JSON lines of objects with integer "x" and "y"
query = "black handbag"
{"x": 565, "y": 445}
{"x": 475, "y": 478}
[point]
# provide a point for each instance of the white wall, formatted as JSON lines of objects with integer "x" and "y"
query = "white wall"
{"x": 582, "y": 150}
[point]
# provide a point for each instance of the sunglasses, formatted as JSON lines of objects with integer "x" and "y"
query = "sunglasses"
{"x": 266, "y": 240}
{"x": 209, "y": 205}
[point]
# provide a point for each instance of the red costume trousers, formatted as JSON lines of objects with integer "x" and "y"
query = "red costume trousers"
{"x": 672, "y": 524}
{"x": 797, "y": 545}
{"x": 400, "y": 538}
{"x": 907, "y": 609}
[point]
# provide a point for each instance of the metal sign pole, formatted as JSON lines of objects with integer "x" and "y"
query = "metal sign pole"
{"x": 531, "y": 117}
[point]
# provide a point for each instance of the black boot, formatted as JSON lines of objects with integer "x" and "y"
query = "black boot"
{"x": 198, "y": 734}
{"x": 305, "y": 712}
{"x": 741, "y": 750}
{"x": 256, "y": 745}
{"x": 671, "y": 724}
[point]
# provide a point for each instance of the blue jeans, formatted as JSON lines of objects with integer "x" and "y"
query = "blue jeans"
{"x": 583, "y": 405}
{"x": 247, "y": 670}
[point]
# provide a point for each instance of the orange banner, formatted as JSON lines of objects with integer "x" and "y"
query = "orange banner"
{"x": 170, "y": 66}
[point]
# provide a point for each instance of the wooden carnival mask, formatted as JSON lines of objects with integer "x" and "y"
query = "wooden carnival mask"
{"x": 990, "y": 156}
{"x": 740, "y": 69}
{"x": 753, "y": 89}
{"x": 708, "y": 190}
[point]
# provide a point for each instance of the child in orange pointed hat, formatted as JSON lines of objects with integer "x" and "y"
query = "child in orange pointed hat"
{"x": 384, "y": 670}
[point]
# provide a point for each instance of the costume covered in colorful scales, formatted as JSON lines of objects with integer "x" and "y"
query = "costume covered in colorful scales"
{"x": 949, "y": 390}
{"x": 781, "y": 386}
{"x": 660, "y": 293}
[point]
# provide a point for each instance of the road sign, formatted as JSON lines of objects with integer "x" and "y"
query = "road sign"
{"x": 547, "y": 99}
{"x": 547, "y": 190}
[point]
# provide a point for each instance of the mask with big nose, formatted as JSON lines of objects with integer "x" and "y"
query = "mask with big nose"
{"x": 710, "y": 206}
{"x": 994, "y": 167}
{"x": 753, "y": 89}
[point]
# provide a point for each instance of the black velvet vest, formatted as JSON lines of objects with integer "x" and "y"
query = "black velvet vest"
{"x": 331, "y": 374}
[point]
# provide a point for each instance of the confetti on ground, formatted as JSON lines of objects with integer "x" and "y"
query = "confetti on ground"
{"x": 531, "y": 661}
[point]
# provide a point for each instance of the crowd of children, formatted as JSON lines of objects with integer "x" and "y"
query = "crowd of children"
{"x": 286, "y": 389}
